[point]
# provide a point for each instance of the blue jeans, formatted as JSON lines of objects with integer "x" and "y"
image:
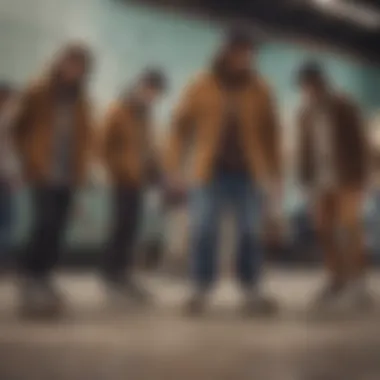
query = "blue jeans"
{"x": 374, "y": 224}
{"x": 206, "y": 205}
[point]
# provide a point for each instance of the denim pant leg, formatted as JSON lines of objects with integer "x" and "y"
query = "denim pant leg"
{"x": 118, "y": 259}
{"x": 375, "y": 225}
{"x": 6, "y": 200}
{"x": 51, "y": 206}
{"x": 204, "y": 224}
{"x": 246, "y": 201}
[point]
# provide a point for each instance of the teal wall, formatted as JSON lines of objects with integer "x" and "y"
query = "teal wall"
{"x": 279, "y": 61}
{"x": 126, "y": 39}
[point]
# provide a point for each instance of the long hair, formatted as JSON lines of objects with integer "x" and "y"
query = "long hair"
{"x": 75, "y": 51}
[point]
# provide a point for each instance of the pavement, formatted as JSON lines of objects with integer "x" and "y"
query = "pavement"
{"x": 95, "y": 341}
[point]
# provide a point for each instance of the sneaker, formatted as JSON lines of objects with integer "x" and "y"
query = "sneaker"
{"x": 137, "y": 292}
{"x": 256, "y": 304}
{"x": 122, "y": 291}
{"x": 355, "y": 297}
{"x": 40, "y": 298}
{"x": 328, "y": 294}
{"x": 196, "y": 304}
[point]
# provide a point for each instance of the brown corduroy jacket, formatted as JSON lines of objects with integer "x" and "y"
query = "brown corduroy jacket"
{"x": 200, "y": 114}
{"x": 123, "y": 141}
{"x": 33, "y": 130}
{"x": 349, "y": 143}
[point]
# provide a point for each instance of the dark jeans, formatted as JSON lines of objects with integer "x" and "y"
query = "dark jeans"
{"x": 6, "y": 218}
{"x": 374, "y": 227}
{"x": 125, "y": 218}
{"x": 50, "y": 208}
{"x": 206, "y": 205}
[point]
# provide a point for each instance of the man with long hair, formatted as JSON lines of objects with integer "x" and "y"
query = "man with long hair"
{"x": 8, "y": 167}
{"x": 53, "y": 138}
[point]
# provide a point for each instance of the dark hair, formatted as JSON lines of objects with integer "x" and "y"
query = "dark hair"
{"x": 237, "y": 38}
{"x": 310, "y": 72}
{"x": 155, "y": 78}
{"x": 78, "y": 52}
{"x": 73, "y": 51}
{"x": 6, "y": 88}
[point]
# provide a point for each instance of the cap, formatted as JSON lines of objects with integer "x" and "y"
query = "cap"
{"x": 310, "y": 71}
{"x": 156, "y": 78}
{"x": 240, "y": 38}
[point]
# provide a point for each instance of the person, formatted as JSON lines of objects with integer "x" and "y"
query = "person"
{"x": 372, "y": 219}
{"x": 333, "y": 171}
{"x": 7, "y": 168}
{"x": 130, "y": 159}
{"x": 53, "y": 138}
{"x": 230, "y": 114}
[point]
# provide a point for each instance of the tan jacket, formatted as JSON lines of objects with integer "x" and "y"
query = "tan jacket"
{"x": 200, "y": 114}
{"x": 33, "y": 134}
{"x": 123, "y": 141}
{"x": 349, "y": 143}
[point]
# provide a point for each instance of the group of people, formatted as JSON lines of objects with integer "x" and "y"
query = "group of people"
{"x": 227, "y": 124}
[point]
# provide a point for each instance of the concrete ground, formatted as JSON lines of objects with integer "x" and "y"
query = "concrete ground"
{"x": 94, "y": 342}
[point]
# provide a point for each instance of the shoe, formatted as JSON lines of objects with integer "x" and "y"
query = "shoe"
{"x": 364, "y": 299}
{"x": 328, "y": 294}
{"x": 137, "y": 292}
{"x": 256, "y": 304}
{"x": 40, "y": 298}
{"x": 196, "y": 304}
{"x": 342, "y": 301}
{"x": 126, "y": 291}
{"x": 355, "y": 297}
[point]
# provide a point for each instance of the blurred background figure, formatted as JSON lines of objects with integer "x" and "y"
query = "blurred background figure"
{"x": 7, "y": 167}
{"x": 373, "y": 206}
{"x": 132, "y": 163}
{"x": 230, "y": 115}
{"x": 333, "y": 170}
{"x": 52, "y": 134}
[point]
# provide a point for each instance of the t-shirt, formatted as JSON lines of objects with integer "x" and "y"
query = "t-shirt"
{"x": 230, "y": 156}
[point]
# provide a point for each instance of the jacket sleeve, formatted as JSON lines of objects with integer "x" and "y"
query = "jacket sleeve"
{"x": 108, "y": 137}
{"x": 273, "y": 138}
{"x": 89, "y": 131}
{"x": 264, "y": 145}
{"x": 21, "y": 124}
{"x": 153, "y": 164}
{"x": 303, "y": 156}
{"x": 182, "y": 123}
{"x": 358, "y": 143}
